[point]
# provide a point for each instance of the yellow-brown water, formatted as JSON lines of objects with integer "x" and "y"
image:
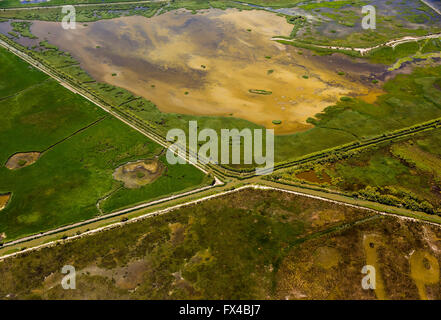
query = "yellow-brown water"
{"x": 206, "y": 64}
{"x": 4, "y": 198}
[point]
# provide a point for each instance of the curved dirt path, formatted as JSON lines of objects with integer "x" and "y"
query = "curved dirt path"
{"x": 98, "y": 4}
{"x": 363, "y": 51}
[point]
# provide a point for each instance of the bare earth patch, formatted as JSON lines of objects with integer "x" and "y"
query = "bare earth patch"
{"x": 139, "y": 173}
{"x": 22, "y": 159}
{"x": 312, "y": 176}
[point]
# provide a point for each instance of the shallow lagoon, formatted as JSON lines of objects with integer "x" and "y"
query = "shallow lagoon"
{"x": 212, "y": 63}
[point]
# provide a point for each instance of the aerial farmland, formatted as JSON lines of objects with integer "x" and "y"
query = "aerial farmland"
{"x": 220, "y": 150}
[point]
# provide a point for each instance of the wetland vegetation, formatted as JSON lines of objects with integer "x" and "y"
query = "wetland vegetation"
{"x": 79, "y": 148}
{"x": 248, "y": 245}
{"x": 155, "y": 100}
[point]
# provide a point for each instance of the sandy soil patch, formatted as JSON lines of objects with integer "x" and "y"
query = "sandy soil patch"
{"x": 139, "y": 173}
{"x": 22, "y": 159}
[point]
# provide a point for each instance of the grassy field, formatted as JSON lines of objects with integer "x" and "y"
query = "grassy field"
{"x": 247, "y": 245}
{"x": 80, "y": 147}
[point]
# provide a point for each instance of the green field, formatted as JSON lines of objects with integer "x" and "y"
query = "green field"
{"x": 248, "y": 245}
{"x": 81, "y": 146}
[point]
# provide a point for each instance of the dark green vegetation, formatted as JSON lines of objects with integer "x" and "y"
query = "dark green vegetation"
{"x": 81, "y": 146}
{"x": 111, "y": 11}
{"x": 22, "y": 28}
{"x": 405, "y": 255}
{"x": 386, "y": 55}
{"x": 195, "y": 5}
{"x": 275, "y": 3}
{"x": 405, "y": 173}
{"x": 248, "y": 245}
{"x": 225, "y": 248}
{"x": 260, "y": 91}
